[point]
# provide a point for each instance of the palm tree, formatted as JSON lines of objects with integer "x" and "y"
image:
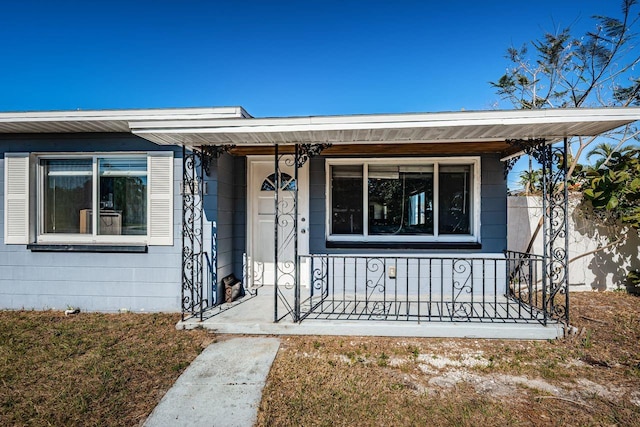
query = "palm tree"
{"x": 531, "y": 181}
{"x": 605, "y": 150}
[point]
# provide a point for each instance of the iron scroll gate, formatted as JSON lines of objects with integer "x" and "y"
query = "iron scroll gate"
{"x": 423, "y": 288}
{"x": 555, "y": 199}
{"x": 199, "y": 268}
{"x": 556, "y": 237}
{"x": 193, "y": 297}
{"x": 286, "y": 203}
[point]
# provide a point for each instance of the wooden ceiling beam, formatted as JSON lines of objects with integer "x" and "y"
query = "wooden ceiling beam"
{"x": 406, "y": 149}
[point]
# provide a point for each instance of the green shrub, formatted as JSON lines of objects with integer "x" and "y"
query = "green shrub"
{"x": 633, "y": 282}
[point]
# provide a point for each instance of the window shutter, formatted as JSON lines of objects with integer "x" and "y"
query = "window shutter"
{"x": 16, "y": 198}
{"x": 160, "y": 198}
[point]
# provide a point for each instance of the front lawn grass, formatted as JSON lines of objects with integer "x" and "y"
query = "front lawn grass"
{"x": 588, "y": 379}
{"x": 112, "y": 369}
{"x": 90, "y": 368}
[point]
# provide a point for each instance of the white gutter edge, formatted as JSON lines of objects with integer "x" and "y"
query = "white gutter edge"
{"x": 151, "y": 115}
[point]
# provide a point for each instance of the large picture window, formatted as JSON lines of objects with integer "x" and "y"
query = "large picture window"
{"x": 113, "y": 187}
{"x": 403, "y": 199}
{"x": 400, "y": 199}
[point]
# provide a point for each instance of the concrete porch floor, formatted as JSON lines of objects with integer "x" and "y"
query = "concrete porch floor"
{"x": 253, "y": 315}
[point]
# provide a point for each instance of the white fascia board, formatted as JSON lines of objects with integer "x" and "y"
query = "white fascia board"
{"x": 431, "y": 120}
{"x": 186, "y": 118}
{"x": 151, "y": 115}
{"x": 361, "y": 126}
{"x": 492, "y": 116}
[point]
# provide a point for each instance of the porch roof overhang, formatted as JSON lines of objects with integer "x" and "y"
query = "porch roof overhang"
{"x": 482, "y": 131}
{"x": 109, "y": 121}
{"x": 462, "y": 131}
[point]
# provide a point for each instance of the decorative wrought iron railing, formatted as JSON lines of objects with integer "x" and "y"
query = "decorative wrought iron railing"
{"x": 531, "y": 282}
{"x": 526, "y": 280}
{"x": 423, "y": 288}
{"x": 199, "y": 275}
{"x": 192, "y": 295}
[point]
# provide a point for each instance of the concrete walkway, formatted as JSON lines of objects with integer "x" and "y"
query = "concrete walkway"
{"x": 222, "y": 387}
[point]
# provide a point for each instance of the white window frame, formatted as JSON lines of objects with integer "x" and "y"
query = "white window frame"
{"x": 93, "y": 238}
{"x": 473, "y": 161}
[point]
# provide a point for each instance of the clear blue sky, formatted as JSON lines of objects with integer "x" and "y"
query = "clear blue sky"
{"x": 275, "y": 58}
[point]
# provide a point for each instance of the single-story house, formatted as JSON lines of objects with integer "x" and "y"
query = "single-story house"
{"x": 382, "y": 216}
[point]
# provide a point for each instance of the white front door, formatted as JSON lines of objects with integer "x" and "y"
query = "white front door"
{"x": 261, "y": 217}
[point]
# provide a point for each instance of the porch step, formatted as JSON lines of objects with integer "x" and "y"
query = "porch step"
{"x": 381, "y": 328}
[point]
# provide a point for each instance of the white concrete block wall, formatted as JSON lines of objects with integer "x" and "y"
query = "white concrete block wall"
{"x": 603, "y": 269}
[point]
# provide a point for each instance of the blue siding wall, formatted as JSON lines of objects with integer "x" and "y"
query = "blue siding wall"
{"x": 152, "y": 281}
{"x": 225, "y": 216}
{"x": 240, "y": 214}
{"x": 493, "y": 215}
{"x": 225, "y": 210}
{"x": 90, "y": 281}
{"x": 317, "y": 205}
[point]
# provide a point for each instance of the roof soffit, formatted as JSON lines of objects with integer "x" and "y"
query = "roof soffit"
{"x": 232, "y": 125}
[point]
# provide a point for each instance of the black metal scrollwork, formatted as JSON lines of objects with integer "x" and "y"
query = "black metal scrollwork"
{"x": 319, "y": 276}
{"x": 209, "y": 152}
{"x": 555, "y": 205}
{"x": 552, "y": 160}
{"x": 375, "y": 270}
{"x": 192, "y": 294}
{"x": 306, "y": 151}
{"x": 461, "y": 276}
{"x": 532, "y": 146}
{"x": 286, "y": 238}
{"x": 287, "y": 269}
